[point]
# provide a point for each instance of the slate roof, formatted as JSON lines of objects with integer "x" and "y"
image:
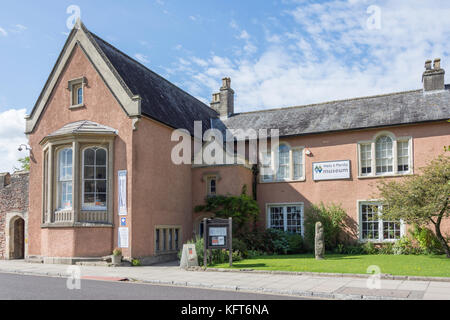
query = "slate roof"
{"x": 369, "y": 112}
{"x": 83, "y": 126}
{"x": 161, "y": 100}
{"x": 166, "y": 103}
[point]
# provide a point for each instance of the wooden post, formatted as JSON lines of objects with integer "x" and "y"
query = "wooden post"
{"x": 205, "y": 251}
{"x": 230, "y": 239}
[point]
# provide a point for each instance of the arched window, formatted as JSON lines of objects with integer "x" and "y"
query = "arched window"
{"x": 384, "y": 151}
{"x": 65, "y": 178}
{"x": 94, "y": 178}
{"x": 80, "y": 95}
{"x": 283, "y": 172}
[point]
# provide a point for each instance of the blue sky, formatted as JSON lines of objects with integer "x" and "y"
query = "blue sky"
{"x": 278, "y": 53}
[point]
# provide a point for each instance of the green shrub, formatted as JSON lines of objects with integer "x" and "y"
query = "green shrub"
{"x": 351, "y": 249}
{"x": 369, "y": 248}
{"x": 272, "y": 241}
{"x": 240, "y": 246}
{"x": 295, "y": 243}
{"x": 332, "y": 218}
{"x": 427, "y": 241}
{"x": 403, "y": 246}
{"x": 387, "y": 248}
{"x": 136, "y": 263}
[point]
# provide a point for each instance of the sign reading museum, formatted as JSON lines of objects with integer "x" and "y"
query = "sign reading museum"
{"x": 331, "y": 170}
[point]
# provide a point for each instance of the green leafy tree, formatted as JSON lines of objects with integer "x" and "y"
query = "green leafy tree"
{"x": 243, "y": 209}
{"x": 332, "y": 217}
{"x": 24, "y": 164}
{"x": 421, "y": 199}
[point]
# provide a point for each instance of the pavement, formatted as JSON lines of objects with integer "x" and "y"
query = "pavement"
{"x": 300, "y": 285}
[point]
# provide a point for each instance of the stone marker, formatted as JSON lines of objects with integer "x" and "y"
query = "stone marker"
{"x": 319, "y": 243}
{"x": 189, "y": 256}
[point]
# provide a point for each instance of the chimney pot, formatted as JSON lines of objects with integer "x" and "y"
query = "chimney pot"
{"x": 223, "y": 101}
{"x": 433, "y": 79}
{"x": 437, "y": 64}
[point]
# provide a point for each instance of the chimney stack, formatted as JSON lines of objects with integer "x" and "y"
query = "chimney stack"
{"x": 433, "y": 78}
{"x": 223, "y": 101}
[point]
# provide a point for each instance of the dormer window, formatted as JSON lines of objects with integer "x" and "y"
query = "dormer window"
{"x": 76, "y": 88}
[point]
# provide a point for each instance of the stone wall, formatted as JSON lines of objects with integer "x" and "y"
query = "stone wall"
{"x": 13, "y": 199}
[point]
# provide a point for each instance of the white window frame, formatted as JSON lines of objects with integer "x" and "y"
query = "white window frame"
{"x": 94, "y": 208}
{"x": 274, "y": 162}
{"x": 284, "y": 206}
{"x": 380, "y": 223}
{"x": 395, "y": 140}
{"x": 59, "y": 182}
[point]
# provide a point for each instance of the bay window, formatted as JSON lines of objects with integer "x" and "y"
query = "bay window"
{"x": 385, "y": 155}
{"x": 94, "y": 178}
{"x": 77, "y": 175}
{"x": 65, "y": 178}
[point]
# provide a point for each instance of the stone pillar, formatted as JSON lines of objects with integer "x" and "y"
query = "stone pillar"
{"x": 51, "y": 171}
{"x": 75, "y": 180}
{"x": 319, "y": 244}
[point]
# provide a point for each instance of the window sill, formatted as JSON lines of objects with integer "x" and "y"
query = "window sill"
{"x": 393, "y": 175}
{"x": 76, "y": 225}
{"x": 282, "y": 181}
{"x": 77, "y": 106}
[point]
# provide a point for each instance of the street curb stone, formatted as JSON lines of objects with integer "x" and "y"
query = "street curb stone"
{"x": 323, "y": 274}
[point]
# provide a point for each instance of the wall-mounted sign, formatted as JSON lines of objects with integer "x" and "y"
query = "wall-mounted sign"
{"x": 122, "y": 191}
{"x": 331, "y": 170}
{"x": 123, "y": 238}
{"x": 123, "y": 222}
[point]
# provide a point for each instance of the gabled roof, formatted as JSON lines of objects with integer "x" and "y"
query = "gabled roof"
{"x": 369, "y": 112}
{"x": 84, "y": 126}
{"x": 138, "y": 90}
{"x": 160, "y": 99}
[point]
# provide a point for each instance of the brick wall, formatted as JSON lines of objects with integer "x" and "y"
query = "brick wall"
{"x": 13, "y": 198}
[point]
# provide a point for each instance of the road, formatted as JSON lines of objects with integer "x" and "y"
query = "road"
{"x": 24, "y": 287}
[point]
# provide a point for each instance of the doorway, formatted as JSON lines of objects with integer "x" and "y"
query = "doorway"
{"x": 17, "y": 239}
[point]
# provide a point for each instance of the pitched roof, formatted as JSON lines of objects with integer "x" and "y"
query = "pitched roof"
{"x": 161, "y": 100}
{"x": 360, "y": 113}
{"x": 83, "y": 126}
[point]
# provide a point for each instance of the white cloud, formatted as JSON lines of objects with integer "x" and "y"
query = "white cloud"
{"x": 330, "y": 53}
{"x": 11, "y": 136}
{"x": 3, "y": 32}
{"x": 141, "y": 58}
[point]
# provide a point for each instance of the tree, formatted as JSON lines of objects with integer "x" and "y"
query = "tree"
{"x": 421, "y": 199}
{"x": 241, "y": 208}
{"x": 24, "y": 164}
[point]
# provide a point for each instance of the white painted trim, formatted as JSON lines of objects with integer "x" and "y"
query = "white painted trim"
{"x": 284, "y": 205}
{"x": 380, "y": 239}
{"x": 395, "y": 172}
{"x": 83, "y": 207}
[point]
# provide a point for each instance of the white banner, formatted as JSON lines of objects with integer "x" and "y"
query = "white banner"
{"x": 331, "y": 170}
{"x": 123, "y": 238}
{"x": 122, "y": 191}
